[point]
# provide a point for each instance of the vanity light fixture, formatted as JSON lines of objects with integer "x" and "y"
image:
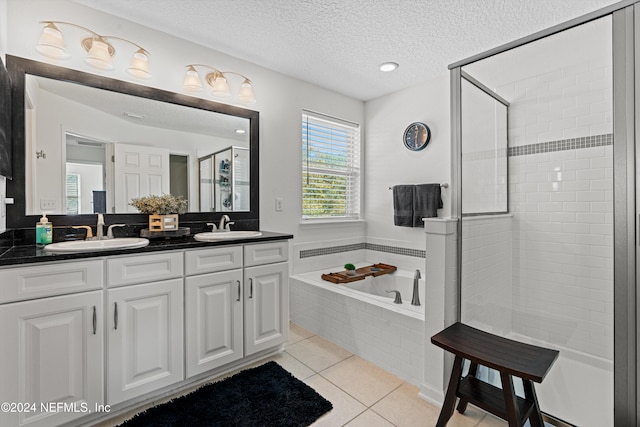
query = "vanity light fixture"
{"x": 217, "y": 80}
{"x": 388, "y": 66}
{"x": 99, "y": 51}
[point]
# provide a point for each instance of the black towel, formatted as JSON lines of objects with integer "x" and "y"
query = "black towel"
{"x": 426, "y": 202}
{"x": 403, "y": 205}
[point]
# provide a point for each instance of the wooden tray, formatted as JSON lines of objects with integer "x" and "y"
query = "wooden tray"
{"x": 361, "y": 273}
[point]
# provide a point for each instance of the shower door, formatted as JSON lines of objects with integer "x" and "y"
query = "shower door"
{"x": 537, "y": 230}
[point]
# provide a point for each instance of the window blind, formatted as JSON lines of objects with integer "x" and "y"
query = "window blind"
{"x": 330, "y": 167}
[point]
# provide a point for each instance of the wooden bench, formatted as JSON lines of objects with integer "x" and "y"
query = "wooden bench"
{"x": 510, "y": 358}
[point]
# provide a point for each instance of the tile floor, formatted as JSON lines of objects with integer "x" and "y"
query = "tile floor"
{"x": 362, "y": 394}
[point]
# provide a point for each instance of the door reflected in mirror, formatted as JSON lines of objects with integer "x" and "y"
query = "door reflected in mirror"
{"x": 104, "y": 148}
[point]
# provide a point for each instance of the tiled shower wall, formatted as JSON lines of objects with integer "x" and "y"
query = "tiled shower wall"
{"x": 561, "y": 195}
{"x": 561, "y": 198}
{"x": 562, "y": 203}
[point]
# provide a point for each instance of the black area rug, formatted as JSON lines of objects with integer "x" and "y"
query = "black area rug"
{"x": 264, "y": 396}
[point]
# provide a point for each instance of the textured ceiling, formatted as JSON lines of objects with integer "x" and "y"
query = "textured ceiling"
{"x": 339, "y": 44}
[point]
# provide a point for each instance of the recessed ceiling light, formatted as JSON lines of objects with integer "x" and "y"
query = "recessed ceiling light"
{"x": 240, "y": 131}
{"x": 388, "y": 66}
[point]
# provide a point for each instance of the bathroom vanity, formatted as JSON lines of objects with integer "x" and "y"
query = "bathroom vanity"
{"x": 85, "y": 332}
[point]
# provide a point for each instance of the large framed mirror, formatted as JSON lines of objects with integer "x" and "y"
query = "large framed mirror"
{"x": 85, "y": 143}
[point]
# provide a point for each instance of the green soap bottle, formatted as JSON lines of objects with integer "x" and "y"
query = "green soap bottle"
{"x": 44, "y": 231}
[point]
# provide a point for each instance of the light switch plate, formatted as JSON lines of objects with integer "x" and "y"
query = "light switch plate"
{"x": 279, "y": 204}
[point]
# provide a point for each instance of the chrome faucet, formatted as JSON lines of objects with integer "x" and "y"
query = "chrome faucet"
{"x": 221, "y": 226}
{"x": 110, "y": 230}
{"x": 99, "y": 227}
{"x": 415, "y": 300}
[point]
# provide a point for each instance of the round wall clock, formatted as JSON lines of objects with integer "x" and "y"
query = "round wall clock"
{"x": 416, "y": 136}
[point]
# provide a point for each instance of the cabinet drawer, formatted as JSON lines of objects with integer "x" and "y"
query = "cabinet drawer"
{"x": 42, "y": 280}
{"x": 210, "y": 260}
{"x": 143, "y": 268}
{"x": 266, "y": 253}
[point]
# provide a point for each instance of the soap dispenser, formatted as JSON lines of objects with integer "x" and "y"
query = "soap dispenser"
{"x": 44, "y": 231}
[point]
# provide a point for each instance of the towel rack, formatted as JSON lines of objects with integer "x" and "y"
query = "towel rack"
{"x": 443, "y": 185}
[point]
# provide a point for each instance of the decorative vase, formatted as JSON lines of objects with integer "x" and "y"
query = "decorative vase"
{"x": 351, "y": 272}
{"x": 163, "y": 222}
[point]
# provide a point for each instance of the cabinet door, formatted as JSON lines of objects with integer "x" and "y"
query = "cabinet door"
{"x": 214, "y": 320}
{"x": 145, "y": 339}
{"x": 52, "y": 354}
{"x": 266, "y": 306}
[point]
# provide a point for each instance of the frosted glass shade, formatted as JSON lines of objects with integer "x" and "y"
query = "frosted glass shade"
{"x": 139, "y": 66}
{"x": 221, "y": 87}
{"x": 99, "y": 56}
{"x": 246, "y": 94}
{"x": 51, "y": 43}
{"x": 192, "y": 81}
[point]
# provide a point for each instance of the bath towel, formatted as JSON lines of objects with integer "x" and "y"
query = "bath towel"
{"x": 403, "y": 205}
{"x": 426, "y": 202}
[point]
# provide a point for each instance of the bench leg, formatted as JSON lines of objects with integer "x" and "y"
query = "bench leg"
{"x": 509, "y": 399}
{"x": 462, "y": 404}
{"x": 529, "y": 392}
{"x": 450, "y": 398}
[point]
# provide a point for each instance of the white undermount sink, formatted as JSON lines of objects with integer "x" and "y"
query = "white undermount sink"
{"x": 213, "y": 236}
{"x": 97, "y": 245}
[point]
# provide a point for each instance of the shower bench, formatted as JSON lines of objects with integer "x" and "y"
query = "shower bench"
{"x": 510, "y": 358}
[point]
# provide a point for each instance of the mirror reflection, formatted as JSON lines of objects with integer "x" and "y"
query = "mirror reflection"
{"x": 90, "y": 150}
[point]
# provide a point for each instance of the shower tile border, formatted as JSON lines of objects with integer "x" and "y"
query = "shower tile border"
{"x": 418, "y": 253}
{"x": 562, "y": 145}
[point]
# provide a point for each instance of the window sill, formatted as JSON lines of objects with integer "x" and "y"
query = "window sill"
{"x": 323, "y": 222}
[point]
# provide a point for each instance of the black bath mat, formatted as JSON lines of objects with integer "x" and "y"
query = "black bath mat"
{"x": 264, "y": 396}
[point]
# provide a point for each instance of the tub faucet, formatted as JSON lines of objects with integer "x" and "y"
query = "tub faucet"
{"x": 415, "y": 300}
{"x": 398, "y": 298}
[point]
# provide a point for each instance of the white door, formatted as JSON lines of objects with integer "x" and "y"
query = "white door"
{"x": 214, "y": 320}
{"x": 266, "y": 306}
{"x": 145, "y": 339}
{"x": 139, "y": 171}
{"x": 52, "y": 354}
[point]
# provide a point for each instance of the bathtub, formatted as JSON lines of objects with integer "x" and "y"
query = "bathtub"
{"x": 362, "y": 318}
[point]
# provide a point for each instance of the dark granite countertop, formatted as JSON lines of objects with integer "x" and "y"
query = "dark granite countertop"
{"x": 28, "y": 254}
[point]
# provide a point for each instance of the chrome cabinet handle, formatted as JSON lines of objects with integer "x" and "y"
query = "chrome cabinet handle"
{"x": 95, "y": 320}
{"x": 239, "y": 287}
{"x": 115, "y": 315}
{"x": 250, "y": 288}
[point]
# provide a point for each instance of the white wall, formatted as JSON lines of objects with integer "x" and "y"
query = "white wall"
{"x": 280, "y": 98}
{"x": 388, "y": 162}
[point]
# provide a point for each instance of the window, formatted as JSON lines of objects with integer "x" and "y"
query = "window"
{"x": 330, "y": 168}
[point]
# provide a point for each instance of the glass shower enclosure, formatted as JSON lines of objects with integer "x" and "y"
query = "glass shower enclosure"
{"x": 536, "y": 184}
{"x": 224, "y": 180}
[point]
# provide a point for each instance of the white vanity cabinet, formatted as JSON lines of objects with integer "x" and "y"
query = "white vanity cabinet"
{"x": 266, "y": 277}
{"x": 235, "y": 312}
{"x": 145, "y": 344}
{"x": 117, "y": 330}
{"x": 214, "y": 318}
{"x": 52, "y": 348}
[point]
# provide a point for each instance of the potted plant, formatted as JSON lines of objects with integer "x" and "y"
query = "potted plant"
{"x": 351, "y": 269}
{"x": 163, "y": 210}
